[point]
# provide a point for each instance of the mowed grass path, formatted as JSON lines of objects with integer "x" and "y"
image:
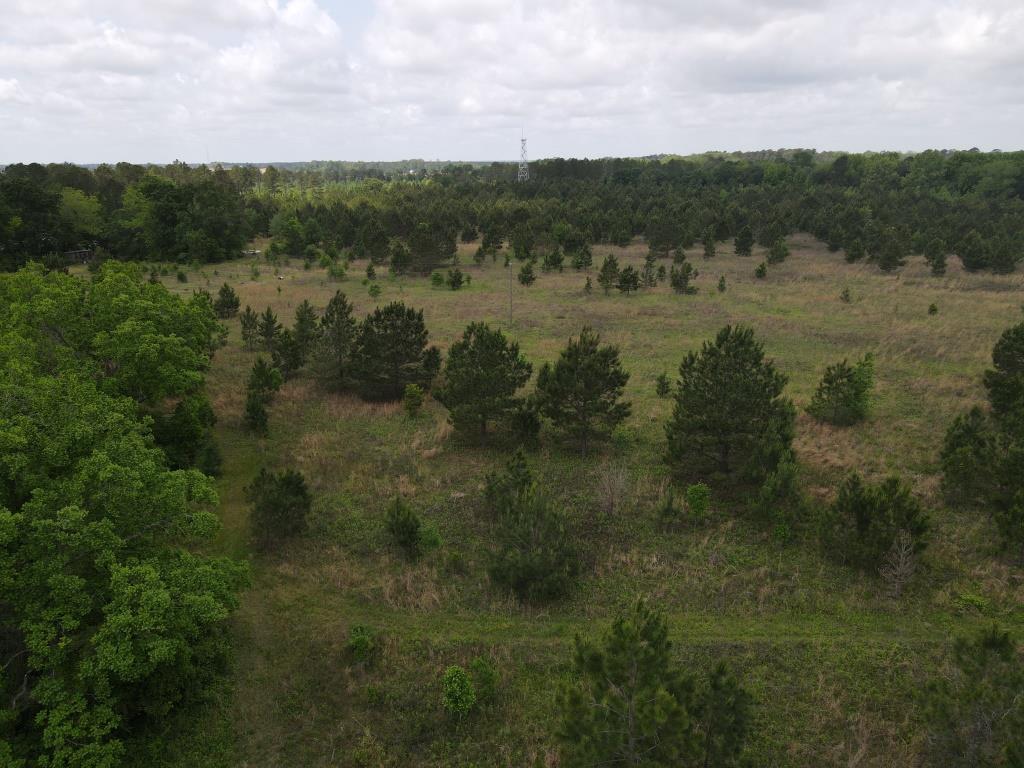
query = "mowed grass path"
{"x": 831, "y": 660}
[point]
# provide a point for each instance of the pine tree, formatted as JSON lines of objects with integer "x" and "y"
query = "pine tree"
{"x": 632, "y": 706}
{"x": 581, "y": 392}
{"x": 332, "y": 355}
{"x": 681, "y": 278}
{"x": 935, "y": 255}
{"x": 535, "y": 557}
{"x": 248, "y": 321}
{"x": 482, "y": 374}
{"x": 974, "y": 711}
{"x": 855, "y": 252}
{"x": 779, "y": 252}
{"x": 227, "y": 302}
{"x": 844, "y": 392}
{"x": 629, "y": 280}
{"x": 744, "y": 241}
{"x": 709, "y": 243}
{"x": 729, "y": 416}
{"x": 526, "y": 274}
{"x": 721, "y": 284}
{"x": 608, "y": 277}
{"x": 280, "y": 506}
{"x": 267, "y": 329}
{"x": 864, "y": 520}
{"x": 287, "y": 355}
{"x": 306, "y": 328}
{"x": 1005, "y": 380}
{"x": 391, "y": 351}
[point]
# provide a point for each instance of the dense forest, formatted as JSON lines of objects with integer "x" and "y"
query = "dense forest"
{"x": 116, "y": 589}
{"x": 881, "y": 207}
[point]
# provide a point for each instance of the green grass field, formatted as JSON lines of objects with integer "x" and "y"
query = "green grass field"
{"x": 832, "y": 662}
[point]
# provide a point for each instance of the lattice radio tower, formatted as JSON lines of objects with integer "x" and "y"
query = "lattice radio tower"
{"x": 524, "y": 166}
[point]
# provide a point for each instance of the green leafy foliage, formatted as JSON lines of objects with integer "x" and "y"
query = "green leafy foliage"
{"x": 110, "y": 622}
{"x": 458, "y": 696}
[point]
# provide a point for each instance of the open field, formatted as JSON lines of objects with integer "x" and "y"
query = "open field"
{"x": 832, "y": 662}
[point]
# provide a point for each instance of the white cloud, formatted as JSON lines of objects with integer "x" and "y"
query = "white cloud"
{"x": 91, "y": 80}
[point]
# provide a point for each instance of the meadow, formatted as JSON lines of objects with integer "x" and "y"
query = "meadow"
{"x": 834, "y": 663}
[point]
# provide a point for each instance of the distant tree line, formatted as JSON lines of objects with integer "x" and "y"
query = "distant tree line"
{"x": 880, "y": 207}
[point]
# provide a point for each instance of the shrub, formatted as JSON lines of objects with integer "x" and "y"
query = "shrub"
{"x": 843, "y": 396}
{"x": 933, "y": 309}
{"x": 485, "y": 678}
{"x": 405, "y": 528}
{"x": 761, "y": 271}
{"x": 362, "y": 644}
{"x": 375, "y": 291}
{"x": 721, "y": 284}
{"x": 862, "y": 523}
{"x": 412, "y": 400}
{"x": 608, "y": 276}
{"x": 457, "y": 693}
{"x": 698, "y": 501}
{"x": 182, "y": 277}
{"x": 845, "y": 296}
{"x": 280, "y": 506}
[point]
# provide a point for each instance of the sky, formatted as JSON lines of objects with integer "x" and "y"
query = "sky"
{"x": 92, "y": 81}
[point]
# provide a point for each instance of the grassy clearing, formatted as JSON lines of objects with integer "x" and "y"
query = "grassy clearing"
{"x": 832, "y": 661}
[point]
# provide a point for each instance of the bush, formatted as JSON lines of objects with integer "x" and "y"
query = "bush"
{"x": 412, "y": 400}
{"x": 182, "y": 277}
{"x": 844, "y": 393}
{"x": 864, "y": 521}
{"x": 779, "y": 252}
{"x": 761, "y": 272}
{"x": 485, "y": 678}
{"x": 845, "y": 296}
{"x": 779, "y": 500}
{"x": 405, "y": 528}
{"x": 362, "y": 645}
{"x": 698, "y": 501}
{"x": 721, "y": 284}
{"x": 457, "y": 693}
{"x": 933, "y": 309}
{"x": 280, "y": 506}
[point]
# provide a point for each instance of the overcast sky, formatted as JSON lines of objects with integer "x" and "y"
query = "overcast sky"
{"x": 264, "y": 80}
